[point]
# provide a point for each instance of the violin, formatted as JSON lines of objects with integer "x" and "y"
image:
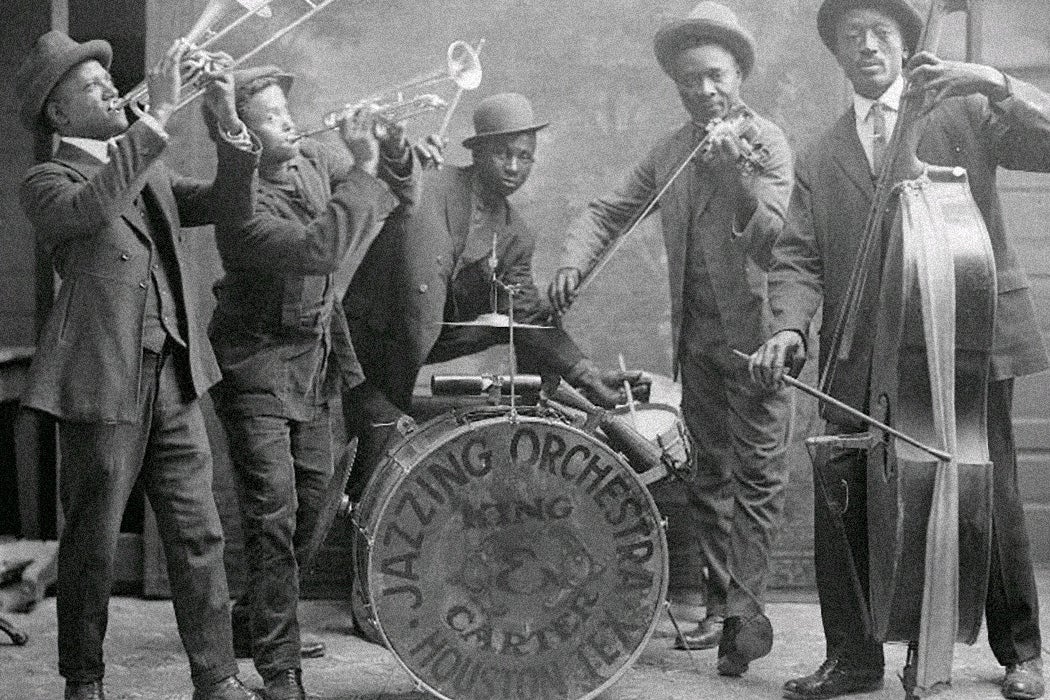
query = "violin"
{"x": 753, "y": 158}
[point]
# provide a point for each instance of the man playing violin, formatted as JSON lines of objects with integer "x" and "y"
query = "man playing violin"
{"x": 281, "y": 339}
{"x": 720, "y": 217}
{"x": 983, "y": 119}
{"x": 123, "y": 357}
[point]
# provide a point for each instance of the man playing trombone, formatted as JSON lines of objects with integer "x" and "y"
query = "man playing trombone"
{"x": 281, "y": 340}
{"x": 723, "y": 206}
{"x": 123, "y": 358}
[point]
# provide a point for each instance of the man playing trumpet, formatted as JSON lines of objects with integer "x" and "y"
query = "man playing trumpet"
{"x": 282, "y": 343}
{"x": 123, "y": 358}
{"x": 719, "y": 220}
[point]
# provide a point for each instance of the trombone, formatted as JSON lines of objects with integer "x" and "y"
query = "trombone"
{"x": 201, "y": 36}
{"x": 462, "y": 67}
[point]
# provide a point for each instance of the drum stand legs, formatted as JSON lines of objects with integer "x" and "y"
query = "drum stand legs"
{"x": 679, "y": 636}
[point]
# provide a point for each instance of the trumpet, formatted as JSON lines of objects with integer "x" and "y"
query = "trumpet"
{"x": 462, "y": 68}
{"x": 204, "y": 64}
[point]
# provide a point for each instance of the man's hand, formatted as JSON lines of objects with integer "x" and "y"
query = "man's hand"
{"x": 943, "y": 79}
{"x": 219, "y": 95}
{"x": 358, "y": 133}
{"x": 391, "y": 137}
{"x": 164, "y": 82}
{"x": 723, "y": 147}
{"x": 431, "y": 153}
{"x": 605, "y": 387}
{"x": 562, "y": 290}
{"x": 785, "y": 351}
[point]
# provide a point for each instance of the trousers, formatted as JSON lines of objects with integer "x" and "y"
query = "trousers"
{"x": 739, "y": 434}
{"x": 282, "y": 469}
{"x": 167, "y": 449}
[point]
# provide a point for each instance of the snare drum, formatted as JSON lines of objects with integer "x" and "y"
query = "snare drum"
{"x": 505, "y": 558}
{"x": 660, "y": 424}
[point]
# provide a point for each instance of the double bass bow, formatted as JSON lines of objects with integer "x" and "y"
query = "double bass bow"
{"x": 929, "y": 521}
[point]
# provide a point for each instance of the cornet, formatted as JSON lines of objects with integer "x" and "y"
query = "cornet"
{"x": 201, "y": 36}
{"x": 462, "y": 67}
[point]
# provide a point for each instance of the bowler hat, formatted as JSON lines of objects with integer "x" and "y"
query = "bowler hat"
{"x": 51, "y": 57}
{"x": 903, "y": 11}
{"x": 709, "y": 22}
{"x": 498, "y": 115}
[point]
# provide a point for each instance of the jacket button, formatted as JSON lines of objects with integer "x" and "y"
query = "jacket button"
{"x": 125, "y": 256}
{"x": 142, "y": 285}
{"x": 423, "y": 287}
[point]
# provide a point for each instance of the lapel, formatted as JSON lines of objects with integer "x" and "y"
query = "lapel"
{"x": 478, "y": 244}
{"x": 849, "y": 154}
{"x": 87, "y": 166}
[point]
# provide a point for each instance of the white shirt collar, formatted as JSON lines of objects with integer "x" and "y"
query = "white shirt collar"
{"x": 99, "y": 150}
{"x": 891, "y": 99}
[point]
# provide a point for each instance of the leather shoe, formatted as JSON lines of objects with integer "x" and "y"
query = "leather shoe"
{"x": 832, "y": 679}
{"x": 286, "y": 685}
{"x": 229, "y": 688}
{"x": 743, "y": 641}
{"x": 1024, "y": 681}
{"x": 92, "y": 690}
{"x": 707, "y": 635}
{"x": 310, "y": 647}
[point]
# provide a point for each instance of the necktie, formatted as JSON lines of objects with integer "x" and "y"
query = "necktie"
{"x": 877, "y": 116}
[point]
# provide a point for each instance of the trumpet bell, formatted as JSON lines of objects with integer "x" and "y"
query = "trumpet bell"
{"x": 464, "y": 65}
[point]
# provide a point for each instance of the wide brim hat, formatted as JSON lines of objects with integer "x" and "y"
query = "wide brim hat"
{"x": 501, "y": 115}
{"x": 904, "y": 12}
{"x": 708, "y": 23}
{"x": 51, "y": 57}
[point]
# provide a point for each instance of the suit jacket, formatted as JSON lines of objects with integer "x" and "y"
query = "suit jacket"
{"x": 735, "y": 259}
{"x": 411, "y": 281}
{"x": 89, "y": 355}
{"x": 814, "y": 256}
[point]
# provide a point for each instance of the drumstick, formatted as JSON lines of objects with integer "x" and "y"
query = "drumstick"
{"x": 630, "y": 396}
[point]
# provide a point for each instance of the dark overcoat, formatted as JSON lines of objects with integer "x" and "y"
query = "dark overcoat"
{"x": 88, "y": 358}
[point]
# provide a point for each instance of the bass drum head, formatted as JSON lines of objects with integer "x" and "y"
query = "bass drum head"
{"x": 512, "y": 559}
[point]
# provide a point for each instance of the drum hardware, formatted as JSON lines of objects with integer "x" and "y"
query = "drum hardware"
{"x": 628, "y": 392}
{"x": 493, "y": 320}
{"x": 336, "y": 505}
{"x": 202, "y": 36}
{"x": 462, "y": 68}
{"x": 494, "y": 386}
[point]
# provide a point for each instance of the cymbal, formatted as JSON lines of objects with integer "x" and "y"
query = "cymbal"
{"x": 493, "y": 321}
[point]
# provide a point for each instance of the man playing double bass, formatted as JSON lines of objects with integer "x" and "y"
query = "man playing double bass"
{"x": 720, "y": 218}
{"x": 983, "y": 120}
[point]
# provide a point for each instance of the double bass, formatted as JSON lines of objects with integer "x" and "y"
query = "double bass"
{"x": 929, "y": 518}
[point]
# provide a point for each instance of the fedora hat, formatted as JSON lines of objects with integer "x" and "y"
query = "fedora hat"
{"x": 709, "y": 22}
{"x": 51, "y": 57}
{"x": 498, "y": 115}
{"x": 903, "y": 11}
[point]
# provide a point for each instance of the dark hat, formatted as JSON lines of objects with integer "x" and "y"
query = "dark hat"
{"x": 245, "y": 79}
{"x": 709, "y": 22}
{"x": 903, "y": 11}
{"x": 505, "y": 113}
{"x": 51, "y": 57}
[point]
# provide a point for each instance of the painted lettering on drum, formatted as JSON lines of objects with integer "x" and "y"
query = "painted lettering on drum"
{"x": 491, "y": 514}
{"x": 408, "y": 498}
{"x": 455, "y": 673}
{"x": 417, "y": 595}
{"x": 415, "y": 542}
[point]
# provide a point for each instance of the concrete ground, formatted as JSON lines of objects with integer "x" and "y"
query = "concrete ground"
{"x": 145, "y": 659}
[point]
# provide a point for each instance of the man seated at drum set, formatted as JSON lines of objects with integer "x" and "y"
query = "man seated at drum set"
{"x": 351, "y": 268}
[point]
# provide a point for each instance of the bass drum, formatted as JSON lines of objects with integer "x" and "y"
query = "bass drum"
{"x": 502, "y": 558}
